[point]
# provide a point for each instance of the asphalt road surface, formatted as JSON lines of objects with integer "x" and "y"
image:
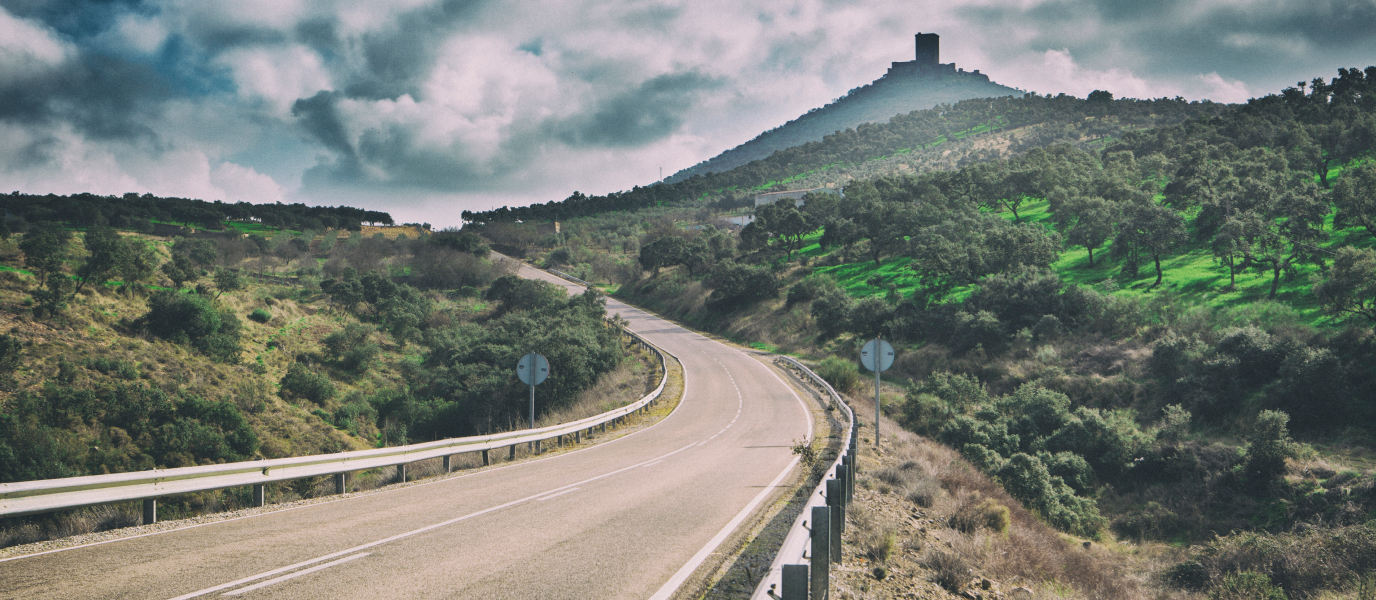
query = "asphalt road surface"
{"x": 629, "y": 518}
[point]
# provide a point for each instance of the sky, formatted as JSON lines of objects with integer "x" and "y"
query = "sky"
{"x": 425, "y": 108}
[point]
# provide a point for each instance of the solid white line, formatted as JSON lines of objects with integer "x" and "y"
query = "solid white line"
{"x": 295, "y": 575}
{"x": 421, "y": 530}
{"x": 654, "y": 463}
{"x": 683, "y": 573}
{"x": 356, "y": 497}
{"x": 686, "y": 571}
{"x": 558, "y": 494}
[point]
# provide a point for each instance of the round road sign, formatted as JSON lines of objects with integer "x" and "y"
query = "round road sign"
{"x": 879, "y": 348}
{"x": 537, "y": 364}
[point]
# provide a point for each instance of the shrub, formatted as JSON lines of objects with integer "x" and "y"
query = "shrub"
{"x": 1247, "y": 585}
{"x": 807, "y": 290}
{"x": 301, "y": 382}
{"x": 193, "y": 320}
{"x": 949, "y": 570}
{"x": 260, "y": 315}
{"x": 735, "y": 285}
{"x": 351, "y": 348}
{"x": 11, "y": 351}
{"x": 975, "y": 513}
{"x": 840, "y": 373}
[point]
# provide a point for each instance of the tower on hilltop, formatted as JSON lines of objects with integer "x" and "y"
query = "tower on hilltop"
{"x": 928, "y": 49}
{"x": 928, "y": 62}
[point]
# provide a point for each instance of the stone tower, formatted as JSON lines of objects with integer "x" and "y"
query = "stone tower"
{"x": 928, "y": 50}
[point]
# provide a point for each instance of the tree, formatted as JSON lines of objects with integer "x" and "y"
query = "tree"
{"x": 227, "y": 280}
{"x": 1350, "y": 286}
{"x": 1229, "y": 247}
{"x": 1288, "y": 233}
{"x": 45, "y": 252}
{"x": 1355, "y": 197}
{"x": 1091, "y": 225}
{"x": 103, "y": 248}
{"x": 180, "y": 270}
{"x": 137, "y": 261}
{"x": 735, "y": 284}
{"x": 663, "y": 252}
{"x": 45, "y": 249}
{"x": 1149, "y": 229}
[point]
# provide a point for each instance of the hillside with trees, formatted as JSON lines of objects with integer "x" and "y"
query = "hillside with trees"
{"x": 1148, "y": 338}
{"x": 124, "y": 351}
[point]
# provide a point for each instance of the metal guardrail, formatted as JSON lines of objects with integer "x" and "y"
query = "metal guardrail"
{"x": 31, "y": 497}
{"x": 801, "y": 569}
{"x": 570, "y": 277}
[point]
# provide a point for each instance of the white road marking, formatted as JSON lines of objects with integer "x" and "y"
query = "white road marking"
{"x": 295, "y": 575}
{"x": 558, "y": 494}
{"x": 223, "y": 586}
{"x": 654, "y": 463}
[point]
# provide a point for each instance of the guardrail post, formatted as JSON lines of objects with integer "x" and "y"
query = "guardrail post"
{"x": 340, "y": 483}
{"x": 821, "y": 551}
{"x": 448, "y": 463}
{"x": 843, "y": 489}
{"x": 259, "y": 495}
{"x": 794, "y": 581}
{"x": 150, "y": 511}
{"x": 401, "y": 473}
{"x": 485, "y": 461}
{"x": 836, "y": 501}
{"x": 604, "y": 427}
{"x": 537, "y": 447}
{"x": 578, "y": 437}
{"x": 512, "y": 456}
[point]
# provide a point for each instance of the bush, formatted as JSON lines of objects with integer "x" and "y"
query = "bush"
{"x": 949, "y": 570}
{"x": 807, "y": 290}
{"x": 351, "y": 348}
{"x": 192, "y": 319}
{"x": 260, "y": 315}
{"x": 1247, "y": 585}
{"x": 734, "y": 285}
{"x": 840, "y": 373}
{"x": 975, "y": 513}
{"x": 11, "y": 350}
{"x": 301, "y": 382}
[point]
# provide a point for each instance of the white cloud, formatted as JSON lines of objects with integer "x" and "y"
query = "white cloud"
{"x": 243, "y": 184}
{"x": 277, "y": 75}
{"x": 28, "y": 49}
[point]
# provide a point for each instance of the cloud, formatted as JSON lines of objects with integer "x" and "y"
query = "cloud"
{"x": 410, "y": 104}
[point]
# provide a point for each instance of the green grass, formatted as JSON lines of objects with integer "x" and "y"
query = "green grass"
{"x": 1193, "y": 275}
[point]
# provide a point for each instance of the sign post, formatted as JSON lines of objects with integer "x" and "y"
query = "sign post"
{"x": 533, "y": 368}
{"x": 877, "y": 356}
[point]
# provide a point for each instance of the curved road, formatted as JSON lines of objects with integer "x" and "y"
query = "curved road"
{"x": 628, "y": 518}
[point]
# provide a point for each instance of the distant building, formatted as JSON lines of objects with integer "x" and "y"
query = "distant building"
{"x": 928, "y": 61}
{"x": 796, "y": 195}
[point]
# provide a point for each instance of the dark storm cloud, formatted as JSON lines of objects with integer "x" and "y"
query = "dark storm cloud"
{"x": 398, "y": 58}
{"x": 102, "y": 97}
{"x": 636, "y": 116}
{"x": 76, "y": 18}
{"x": 1175, "y": 37}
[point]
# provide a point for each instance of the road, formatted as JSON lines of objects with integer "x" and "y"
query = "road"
{"x": 627, "y": 518}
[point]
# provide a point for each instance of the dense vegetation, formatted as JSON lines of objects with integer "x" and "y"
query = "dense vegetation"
{"x": 139, "y": 212}
{"x": 1161, "y": 334}
{"x": 924, "y": 132}
{"x": 127, "y": 351}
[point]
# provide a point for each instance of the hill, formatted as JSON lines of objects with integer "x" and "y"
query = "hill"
{"x": 1147, "y": 331}
{"x": 123, "y": 350}
{"x": 898, "y": 92}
